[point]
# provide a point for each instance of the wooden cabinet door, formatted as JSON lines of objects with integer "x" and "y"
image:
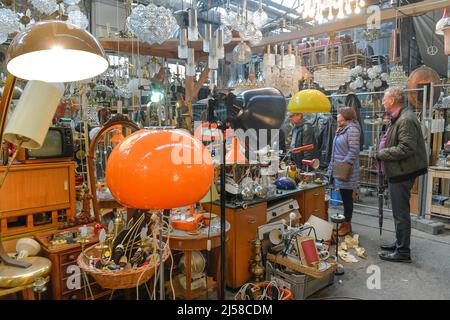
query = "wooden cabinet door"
{"x": 24, "y": 189}
{"x": 314, "y": 203}
{"x": 246, "y": 230}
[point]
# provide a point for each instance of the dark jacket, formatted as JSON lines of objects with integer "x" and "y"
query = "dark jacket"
{"x": 404, "y": 155}
{"x": 305, "y": 136}
{"x": 326, "y": 130}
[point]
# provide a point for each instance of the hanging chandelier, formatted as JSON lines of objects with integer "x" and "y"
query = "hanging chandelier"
{"x": 334, "y": 74}
{"x": 397, "y": 77}
{"x": 328, "y": 10}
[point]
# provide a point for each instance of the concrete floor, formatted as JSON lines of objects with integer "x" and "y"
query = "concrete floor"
{"x": 427, "y": 277}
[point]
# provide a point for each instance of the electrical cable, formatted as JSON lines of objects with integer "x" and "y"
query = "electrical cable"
{"x": 337, "y": 298}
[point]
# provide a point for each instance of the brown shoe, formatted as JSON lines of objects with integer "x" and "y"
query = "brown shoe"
{"x": 345, "y": 229}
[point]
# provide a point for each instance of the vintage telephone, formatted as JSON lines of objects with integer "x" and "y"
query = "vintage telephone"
{"x": 187, "y": 221}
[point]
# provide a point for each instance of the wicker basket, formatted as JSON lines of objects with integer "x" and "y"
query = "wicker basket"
{"x": 118, "y": 279}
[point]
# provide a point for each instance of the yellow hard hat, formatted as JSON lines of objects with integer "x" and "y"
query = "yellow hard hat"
{"x": 309, "y": 101}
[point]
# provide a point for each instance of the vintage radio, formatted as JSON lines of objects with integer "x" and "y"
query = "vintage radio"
{"x": 58, "y": 146}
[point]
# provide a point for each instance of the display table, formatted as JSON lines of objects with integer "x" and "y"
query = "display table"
{"x": 246, "y": 216}
{"x": 182, "y": 241}
{"x": 436, "y": 173}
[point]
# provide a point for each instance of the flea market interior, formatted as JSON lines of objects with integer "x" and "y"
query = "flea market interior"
{"x": 224, "y": 149}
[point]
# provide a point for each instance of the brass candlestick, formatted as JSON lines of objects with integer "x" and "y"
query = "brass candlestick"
{"x": 258, "y": 268}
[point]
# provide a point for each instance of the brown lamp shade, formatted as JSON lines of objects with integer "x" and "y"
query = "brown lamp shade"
{"x": 55, "y": 51}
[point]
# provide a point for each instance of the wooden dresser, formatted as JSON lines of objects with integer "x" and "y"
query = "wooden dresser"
{"x": 35, "y": 197}
{"x": 65, "y": 270}
{"x": 245, "y": 222}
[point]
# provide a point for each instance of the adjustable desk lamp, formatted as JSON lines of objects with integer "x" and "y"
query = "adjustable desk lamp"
{"x": 53, "y": 52}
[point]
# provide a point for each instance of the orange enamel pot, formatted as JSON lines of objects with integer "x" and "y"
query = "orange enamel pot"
{"x": 159, "y": 169}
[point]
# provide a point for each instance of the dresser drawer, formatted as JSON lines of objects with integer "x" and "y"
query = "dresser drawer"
{"x": 315, "y": 201}
{"x": 80, "y": 293}
{"x": 69, "y": 257}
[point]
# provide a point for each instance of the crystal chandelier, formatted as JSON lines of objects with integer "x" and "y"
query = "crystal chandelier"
{"x": 283, "y": 71}
{"x": 152, "y": 24}
{"x": 9, "y": 23}
{"x": 327, "y": 10}
{"x": 246, "y": 23}
{"x": 397, "y": 77}
{"x": 333, "y": 75}
{"x": 12, "y": 22}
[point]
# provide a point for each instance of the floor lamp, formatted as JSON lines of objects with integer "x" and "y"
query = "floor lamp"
{"x": 254, "y": 109}
{"x": 159, "y": 170}
{"x": 54, "y": 52}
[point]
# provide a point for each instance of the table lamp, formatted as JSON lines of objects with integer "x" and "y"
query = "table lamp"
{"x": 48, "y": 51}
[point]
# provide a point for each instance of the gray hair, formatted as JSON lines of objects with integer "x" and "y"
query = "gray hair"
{"x": 397, "y": 94}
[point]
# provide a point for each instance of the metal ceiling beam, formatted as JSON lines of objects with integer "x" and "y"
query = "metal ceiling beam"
{"x": 357, "y": 21}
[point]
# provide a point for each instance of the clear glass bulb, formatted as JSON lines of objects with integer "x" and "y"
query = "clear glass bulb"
{"x": 357, "y": 9}
{"x": 362, "y": 3}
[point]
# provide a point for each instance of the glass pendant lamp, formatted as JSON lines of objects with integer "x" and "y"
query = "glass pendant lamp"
{"x": 193, "y": 26}
{"x": 206, "y": 39}
{"x": 183, "y": 44}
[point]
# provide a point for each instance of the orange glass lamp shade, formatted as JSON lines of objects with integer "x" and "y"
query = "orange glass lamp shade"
{"x": 159, "y": 169}
{"x": 309, "y": 101}
{"x": 55, "y": 51}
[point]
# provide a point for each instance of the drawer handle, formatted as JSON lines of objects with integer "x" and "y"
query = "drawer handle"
{"x": 72, "y": 257}
{"x": 316, "y": 194}
{"x": 252, "y": 221}
{"x": 74, "y": 297}
{"x": 316, "y": 210}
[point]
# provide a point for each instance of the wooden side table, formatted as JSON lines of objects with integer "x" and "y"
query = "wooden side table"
{"x": 436, "y": 173}
{"x": 182, "y": 241}
{"x": 64, "y": 260}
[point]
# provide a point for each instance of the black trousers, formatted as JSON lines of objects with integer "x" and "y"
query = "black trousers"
{"x": 347, "y": 200}
{"x": 400, "y": 193}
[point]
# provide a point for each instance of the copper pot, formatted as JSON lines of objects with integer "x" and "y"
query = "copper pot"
{"x": 419, "y": 78}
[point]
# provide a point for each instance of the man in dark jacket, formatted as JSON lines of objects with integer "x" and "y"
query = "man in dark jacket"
{"x": 403, "y": 157}
{"x": 302, "y": 134}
